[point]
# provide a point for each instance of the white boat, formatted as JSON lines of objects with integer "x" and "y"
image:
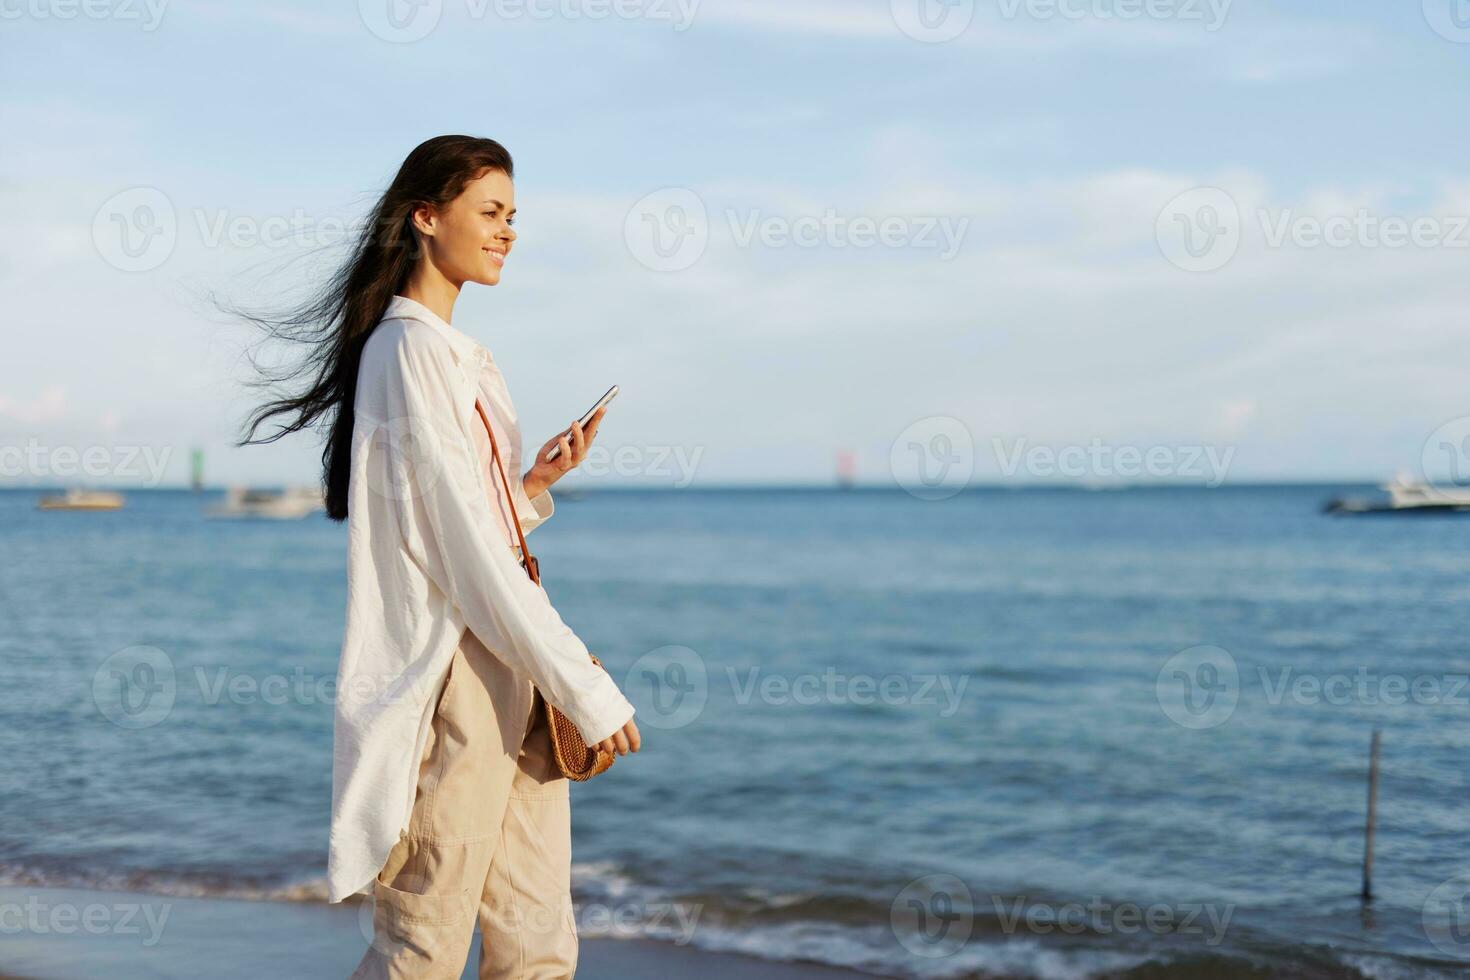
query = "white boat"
{"x": 290, "y": 504}
{"x": 1408, "y": 496}
{"x": 82, "y": 500}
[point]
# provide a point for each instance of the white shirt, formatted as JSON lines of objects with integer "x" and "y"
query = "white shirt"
{"x": 428, "y": 557}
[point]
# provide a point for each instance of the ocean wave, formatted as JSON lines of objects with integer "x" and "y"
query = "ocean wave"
{"x": 174, "y": 884}
{"x": 847, "y": 931}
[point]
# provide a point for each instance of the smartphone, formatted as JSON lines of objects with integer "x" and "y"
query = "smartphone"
{"x": 611, "y": 394}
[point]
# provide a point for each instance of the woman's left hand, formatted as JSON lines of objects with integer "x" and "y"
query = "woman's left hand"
{"x": 574, "y": 443}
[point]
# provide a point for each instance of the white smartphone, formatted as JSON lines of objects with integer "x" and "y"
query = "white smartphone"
{"x": 611, "y": 394}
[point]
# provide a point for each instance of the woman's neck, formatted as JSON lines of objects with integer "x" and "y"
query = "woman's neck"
{"x": 429, "y": 287}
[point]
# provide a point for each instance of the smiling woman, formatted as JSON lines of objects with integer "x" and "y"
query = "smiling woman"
{"x": 450, "y": 802}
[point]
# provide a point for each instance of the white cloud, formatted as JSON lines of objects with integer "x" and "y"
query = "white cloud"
{"x": 1293, "y": 52}
{"x": 47, "y": 406}
{"x": 822, "y": 17}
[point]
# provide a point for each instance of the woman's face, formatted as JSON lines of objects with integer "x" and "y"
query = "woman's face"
{"x": 469, "y": 239}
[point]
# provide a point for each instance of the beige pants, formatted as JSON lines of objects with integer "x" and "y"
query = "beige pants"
{"x": 489, "y": 841}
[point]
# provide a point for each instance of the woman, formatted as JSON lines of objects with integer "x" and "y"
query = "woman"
{"x": 446, "y": 804}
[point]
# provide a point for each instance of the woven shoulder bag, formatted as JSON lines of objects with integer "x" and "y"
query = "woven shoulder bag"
{"x": 574, "y": 757}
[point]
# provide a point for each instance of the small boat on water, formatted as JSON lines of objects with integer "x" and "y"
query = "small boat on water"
{"x": 77, "y": 499}
{"x": 1407, "y": 496}
{"x": 292, "y": 503}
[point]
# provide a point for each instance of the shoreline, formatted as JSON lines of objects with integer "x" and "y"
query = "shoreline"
{"x": 81, "y": 934}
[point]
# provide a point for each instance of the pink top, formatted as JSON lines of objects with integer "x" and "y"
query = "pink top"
{"x": 531, "y": 513}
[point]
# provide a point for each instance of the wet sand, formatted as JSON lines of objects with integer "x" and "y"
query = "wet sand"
{"x": 72, "y": 934}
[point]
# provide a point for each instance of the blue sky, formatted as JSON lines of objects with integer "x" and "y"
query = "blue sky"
{"x": 1054, "y": 144}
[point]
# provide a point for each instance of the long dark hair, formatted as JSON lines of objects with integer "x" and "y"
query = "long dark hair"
{"x": 334, "y": 323}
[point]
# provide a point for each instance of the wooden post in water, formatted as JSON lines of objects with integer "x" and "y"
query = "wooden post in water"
{"x": 1372, "y": 819}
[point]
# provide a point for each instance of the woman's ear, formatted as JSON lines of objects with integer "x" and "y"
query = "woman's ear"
{"x": 423, "y": 217}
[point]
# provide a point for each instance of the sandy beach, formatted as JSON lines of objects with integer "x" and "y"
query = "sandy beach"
{"x": 74, "y": 934}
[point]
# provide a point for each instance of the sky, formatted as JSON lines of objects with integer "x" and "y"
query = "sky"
{"x": 951, "y": 241}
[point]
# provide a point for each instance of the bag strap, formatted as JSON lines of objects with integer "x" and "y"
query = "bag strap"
{"x": 527, "y": 560}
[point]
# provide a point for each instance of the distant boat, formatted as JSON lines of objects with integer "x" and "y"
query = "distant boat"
{"x": 82, "y": 500}
{"x": 290, "y": 504}
{"x": 1407, "y": 496}
{"x": 846, "y": 469}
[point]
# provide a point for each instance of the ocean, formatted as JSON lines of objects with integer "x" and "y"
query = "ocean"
{"x": 1017, "y": 732}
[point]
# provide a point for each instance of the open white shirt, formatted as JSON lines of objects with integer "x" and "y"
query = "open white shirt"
{"x": 427, "y": 557}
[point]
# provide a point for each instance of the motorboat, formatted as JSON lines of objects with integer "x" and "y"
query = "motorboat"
{"x": 292, "y": 503}
{"x": 78, "y": 499}
{"x": 1406, "y": 495}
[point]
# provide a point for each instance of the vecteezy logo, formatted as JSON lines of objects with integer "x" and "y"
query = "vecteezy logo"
{"x": 135, "y": 230}
{"x": 932, "y": 916}
{"x": 1198, "y": 687}
{"x": 1450, "y": 19}
{"x": 404, "y": 459}
{"x": 933, "y": 458}
{"x": 668, "y": 230}
{"x": 933, "y": 21}
{"x": 400, "y": 21}
{"x": 1445, "y": 460}
{"x": 135, "y": 687}
{"x": 1446, "y": 916}
{"x": 669, "y": 686}
{"x": 1199, "y": 230}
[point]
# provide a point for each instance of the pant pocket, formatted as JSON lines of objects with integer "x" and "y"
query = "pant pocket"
{"x": 538, "y": 777}
{"x": 529, "y": 790}
{"x": 421, "y": 935}
{"x": 439, "y": 909}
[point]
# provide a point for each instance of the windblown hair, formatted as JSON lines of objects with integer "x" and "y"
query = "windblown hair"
{"x": 333, "y": 325}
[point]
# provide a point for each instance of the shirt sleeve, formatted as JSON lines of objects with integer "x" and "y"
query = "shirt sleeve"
{"x": 533, "y": 511}
{"x": 429, "y": 472}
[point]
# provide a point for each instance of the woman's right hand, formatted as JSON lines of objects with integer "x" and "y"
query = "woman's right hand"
{"x": 622, "y": 741}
